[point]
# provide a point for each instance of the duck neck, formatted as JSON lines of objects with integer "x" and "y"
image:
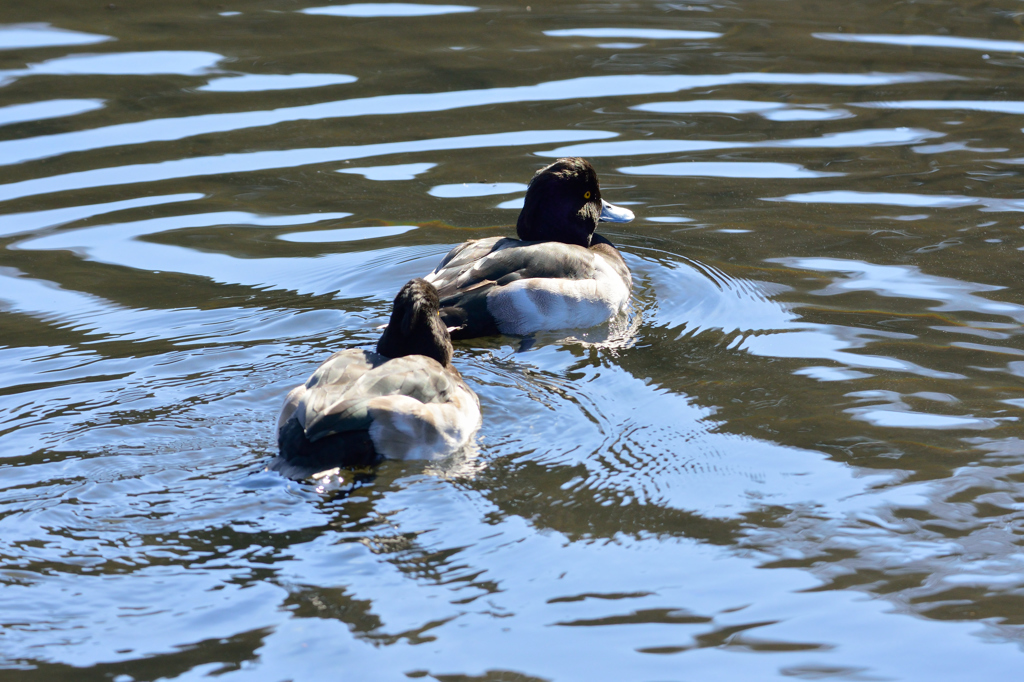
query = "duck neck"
{"x": 576, "y": 230}
{"x": 424, "y": 337}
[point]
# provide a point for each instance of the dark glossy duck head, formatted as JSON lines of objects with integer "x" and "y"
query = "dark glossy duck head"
{"x": 415, "y": 327}
{"x": 564, "y": 204}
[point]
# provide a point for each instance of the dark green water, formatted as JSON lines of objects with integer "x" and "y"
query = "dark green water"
{"x": 802, "y": 458}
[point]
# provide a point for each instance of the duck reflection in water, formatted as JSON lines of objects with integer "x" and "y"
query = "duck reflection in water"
{"x": 559, "y": 274}
{"x": 405, "y": 401}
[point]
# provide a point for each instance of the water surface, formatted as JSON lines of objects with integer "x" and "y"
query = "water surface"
{"x": 801, "y": 456}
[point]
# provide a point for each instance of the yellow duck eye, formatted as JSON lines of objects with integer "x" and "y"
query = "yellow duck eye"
{"x": 586, "y": 195}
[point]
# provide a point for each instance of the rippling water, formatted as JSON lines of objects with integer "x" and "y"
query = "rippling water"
{"x": 802, "y": 456}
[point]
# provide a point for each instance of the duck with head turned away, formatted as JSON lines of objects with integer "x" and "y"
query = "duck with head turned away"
{"x": 559, "y": 274}
{"x": 405, "y": 401}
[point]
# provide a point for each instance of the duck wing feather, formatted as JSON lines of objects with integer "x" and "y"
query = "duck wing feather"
{"x": 499, "y": 260}
{"x": 472, "y": 270}
{"x": 338, "y": 398}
